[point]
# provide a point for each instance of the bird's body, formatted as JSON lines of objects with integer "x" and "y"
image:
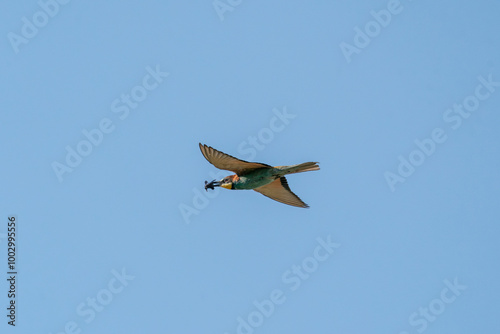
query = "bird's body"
{"x": 268, "y": 180}
{"x": 261, "y": 176}
{"x": 254, "y": 179}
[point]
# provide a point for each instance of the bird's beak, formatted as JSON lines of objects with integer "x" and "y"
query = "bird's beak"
{"x": 228, "y": 185}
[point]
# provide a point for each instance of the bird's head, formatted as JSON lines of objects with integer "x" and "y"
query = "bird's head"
{"x": 227, "y": 182}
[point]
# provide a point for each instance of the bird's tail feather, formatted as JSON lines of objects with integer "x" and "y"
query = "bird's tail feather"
{"x": 304, "y": 167}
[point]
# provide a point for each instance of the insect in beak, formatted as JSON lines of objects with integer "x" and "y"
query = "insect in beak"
{"x": 211, "y": 185}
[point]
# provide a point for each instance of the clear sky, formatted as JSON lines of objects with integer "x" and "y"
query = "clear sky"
{"x": 102, "y": 109}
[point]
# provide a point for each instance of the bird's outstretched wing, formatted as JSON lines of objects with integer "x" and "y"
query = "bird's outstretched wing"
{"x": 225, "y": 161}
{"x": 280, "y": 191}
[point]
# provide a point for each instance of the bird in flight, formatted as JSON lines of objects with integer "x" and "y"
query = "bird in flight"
{"x": 268, "y": 180}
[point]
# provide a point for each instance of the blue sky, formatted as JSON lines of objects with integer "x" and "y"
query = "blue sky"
{"x": 103, "y": 107}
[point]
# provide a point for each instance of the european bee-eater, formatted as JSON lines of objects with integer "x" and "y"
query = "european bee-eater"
{"x": 268, "y": 180}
